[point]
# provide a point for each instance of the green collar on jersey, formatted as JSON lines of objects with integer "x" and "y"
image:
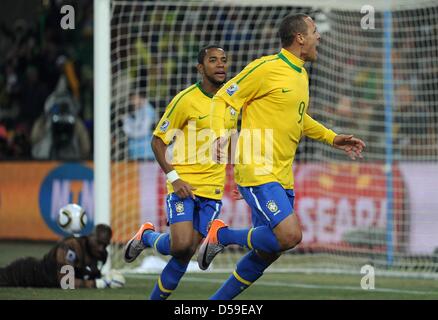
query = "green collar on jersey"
{"x": 198, "y": 84}
{"x": 283, "y": 57}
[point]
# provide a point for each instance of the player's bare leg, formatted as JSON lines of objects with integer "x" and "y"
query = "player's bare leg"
{"x": 182, "y": 240}
{"x": 288, "y": 232}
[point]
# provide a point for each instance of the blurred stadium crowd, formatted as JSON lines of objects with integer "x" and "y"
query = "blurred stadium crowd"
{"x": 353, "y": 98}
{"x": 46, "y": 83}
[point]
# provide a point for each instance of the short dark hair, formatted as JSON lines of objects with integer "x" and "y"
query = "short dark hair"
{"x": 104, "y": 229}
{"x": 290, "y": 26}
{"x": 203, "y": 52}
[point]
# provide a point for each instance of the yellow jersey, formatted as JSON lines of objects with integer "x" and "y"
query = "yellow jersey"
{"x": 185, "y": 127}
{"x": 272, "y": 93}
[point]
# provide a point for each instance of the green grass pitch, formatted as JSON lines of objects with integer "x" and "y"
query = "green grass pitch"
{"x": 199, "y": 286}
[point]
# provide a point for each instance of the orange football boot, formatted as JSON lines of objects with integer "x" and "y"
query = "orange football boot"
{"x": 210, "y": 247}
{"x": 135, "y": 246}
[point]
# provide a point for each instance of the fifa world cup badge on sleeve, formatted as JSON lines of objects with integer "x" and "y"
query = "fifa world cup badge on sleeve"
{"x": 164, "y": 125}
{"x": 231, "y": 89}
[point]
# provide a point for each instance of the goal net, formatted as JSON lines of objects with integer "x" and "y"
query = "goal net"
{"x": 376, "y": 77}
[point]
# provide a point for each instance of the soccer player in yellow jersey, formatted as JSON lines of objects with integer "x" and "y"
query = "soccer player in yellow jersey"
{"x": 272, "y": 93}
{"x": 195, "y": 184}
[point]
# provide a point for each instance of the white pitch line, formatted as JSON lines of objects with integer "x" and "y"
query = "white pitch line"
{"x": 295, "y": 285}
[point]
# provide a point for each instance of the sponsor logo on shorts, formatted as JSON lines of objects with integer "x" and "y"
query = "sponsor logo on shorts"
{"x": 232, "y": 89}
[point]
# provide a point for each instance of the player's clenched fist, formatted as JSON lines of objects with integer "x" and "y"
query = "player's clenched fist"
{"x": 183, "y": 189}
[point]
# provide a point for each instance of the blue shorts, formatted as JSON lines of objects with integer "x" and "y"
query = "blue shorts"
{"x": 270, "y": 203}
{"x": 201, "y": 211}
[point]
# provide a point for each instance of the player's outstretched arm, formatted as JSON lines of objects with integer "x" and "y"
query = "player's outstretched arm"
{"x": 352, "y": 146}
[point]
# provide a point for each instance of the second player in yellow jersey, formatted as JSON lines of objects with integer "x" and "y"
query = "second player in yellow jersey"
{"x": 186, "y": 125}
{"x": 195, "y": 184}
{"x": 272, "y": 93}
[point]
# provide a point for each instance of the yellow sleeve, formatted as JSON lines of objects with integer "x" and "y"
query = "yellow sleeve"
{"x": 245, "y": 86}
{"x": 313, "y": 129}
{"x": 217, "y": 115}
{"x": 173, "y": 119}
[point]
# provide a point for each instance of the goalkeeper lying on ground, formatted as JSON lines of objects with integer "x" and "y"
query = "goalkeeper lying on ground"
{"x": 86, "y": 254}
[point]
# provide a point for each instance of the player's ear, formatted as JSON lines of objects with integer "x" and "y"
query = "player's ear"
{"x": 300, "y": 39}
{"x": 200, "y": 68}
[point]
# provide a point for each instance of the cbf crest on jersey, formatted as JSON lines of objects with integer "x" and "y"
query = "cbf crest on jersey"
{"x": 233, "y": 88}
{"x": 232, "y": 111}
{"x": 164, "y": 125}
{"x": 272, "y": 206}
{"x": 179, "y": 207}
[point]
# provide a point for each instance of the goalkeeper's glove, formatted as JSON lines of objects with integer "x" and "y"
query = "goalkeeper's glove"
{"x": 113, "y": 279}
